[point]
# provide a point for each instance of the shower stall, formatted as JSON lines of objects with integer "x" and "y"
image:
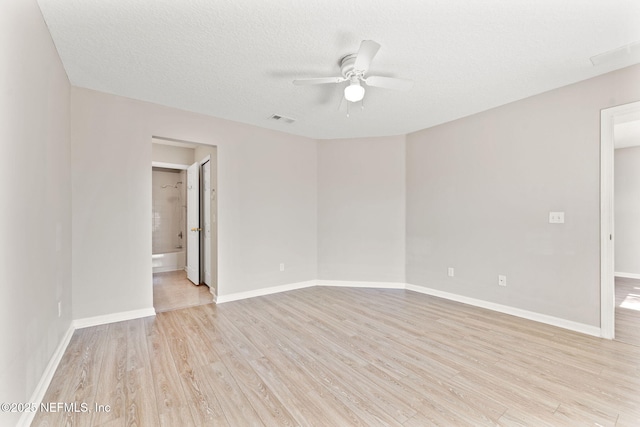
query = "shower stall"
{"x": 169, "y": 213}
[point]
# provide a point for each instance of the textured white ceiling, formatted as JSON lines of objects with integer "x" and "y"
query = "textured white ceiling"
{"x": 236, "y": 59}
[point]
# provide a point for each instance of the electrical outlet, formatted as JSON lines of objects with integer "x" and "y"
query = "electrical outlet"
{"x": 502, "y": 280}
{"x": 556, "y": 217}
{"x": 282, "y": 266}
{"x": 59, "y": 308}
{"x": 450, "y": 272}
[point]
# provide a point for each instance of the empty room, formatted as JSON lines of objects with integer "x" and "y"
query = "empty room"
{"x": 291, "y": 213}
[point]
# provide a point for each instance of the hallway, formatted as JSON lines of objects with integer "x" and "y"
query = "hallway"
{"x": 172, "y": 290}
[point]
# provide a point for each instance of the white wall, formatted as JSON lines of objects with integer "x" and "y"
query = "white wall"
{"x": 361, "y": 209}
{"x": 480, "y": 189}
{"x": 35, "y": 213}
{"x": 172, "y": 154}
{"x": 627, "y": 210}
{"x": 267, "y": 203}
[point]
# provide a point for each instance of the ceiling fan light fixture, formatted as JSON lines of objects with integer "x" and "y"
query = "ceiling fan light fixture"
{"x": 354, "y": 92}
{"x": 354, "y": 68}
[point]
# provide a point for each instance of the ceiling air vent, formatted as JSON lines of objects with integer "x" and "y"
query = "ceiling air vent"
{"x": 283, "y": 119}
{"x": 627, "y": 54}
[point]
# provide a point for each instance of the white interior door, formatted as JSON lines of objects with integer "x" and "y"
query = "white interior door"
{"x": 193, "y": 223}
{"x": 206, "y": 221}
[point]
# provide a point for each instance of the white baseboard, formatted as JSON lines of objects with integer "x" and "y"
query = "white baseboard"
{"x": 265, "y": 291}
{"x": 45, "y": 380}
{"x": 38, "y": 394}
{"x": 114, "y": 317}
{"x": 525, "y": 314}
{"x": 353, "y": 284}
{"x": 166, "y": 269}
{"x": 308, "y": 284}
{"x": 627, "y": 275}
{"x": 348, "y": 284}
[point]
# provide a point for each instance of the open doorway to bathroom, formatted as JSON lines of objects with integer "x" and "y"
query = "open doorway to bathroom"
{"x": 184, "y": 233}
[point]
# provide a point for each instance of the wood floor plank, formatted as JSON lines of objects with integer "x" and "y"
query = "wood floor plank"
{"x": 141, "y": 406}
{"x": 172, "y": 291}
{"x": 202, "y": 334}
{"x": 271, "y": 337}
{"x": 235, "y": 405}
{"x": 365, "y": 371}
{"x": 203, "y": 404}
{"x": 241, "y": 352}
{"x": 324, "y": 380}
{"x": 60, "y": 385}
{"x": 257, "y": 365}
{"x": 560, "y": 390}
{"x": 515, "y": 417}
{"x": 170, "y": 398}
{"x": 377, "y": 391}
{"x": 340, "y": 356}
{"x": 313, "y": 393}
{"x": 82, "y": 360}
{"x": 627, "y": 420}
{"x": 112, "y": 380}
{"x": 328, "y": 355}
{"x": 584, "y": 415}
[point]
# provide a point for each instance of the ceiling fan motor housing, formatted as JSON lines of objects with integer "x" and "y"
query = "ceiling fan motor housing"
{"x": 347, "y": 67}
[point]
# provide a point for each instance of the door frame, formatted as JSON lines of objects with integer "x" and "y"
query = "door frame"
{"x": 194, "y": 243}
{"x": 609, "y": 117}
{"x": 205, "y": 252}
{"x": 213, "y": 158}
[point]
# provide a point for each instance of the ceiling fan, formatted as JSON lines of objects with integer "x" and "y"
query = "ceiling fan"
{"x": 354, "y": 67}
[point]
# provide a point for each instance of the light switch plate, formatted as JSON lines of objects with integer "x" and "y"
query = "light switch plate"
{"x": 556, "y": 217}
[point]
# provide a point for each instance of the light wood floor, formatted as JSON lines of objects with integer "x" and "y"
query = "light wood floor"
{"x": 341, "y": 357}
{"x": 628, "y": 310}
{"x": 172, "y": 290}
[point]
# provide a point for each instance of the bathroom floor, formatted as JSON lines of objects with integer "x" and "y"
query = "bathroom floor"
{"x": 172, "y": 290}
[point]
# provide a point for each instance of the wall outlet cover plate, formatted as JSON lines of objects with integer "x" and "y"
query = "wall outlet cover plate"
{"x": 556, "y": 217}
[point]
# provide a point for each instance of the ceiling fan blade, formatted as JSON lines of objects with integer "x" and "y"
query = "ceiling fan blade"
{"x": 389, "y": 83}
{"x": 318, "y": 81}
{"x": 368, "y": 49}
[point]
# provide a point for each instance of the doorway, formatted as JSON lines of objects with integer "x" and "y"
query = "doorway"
{"x": 615, "y": 321}
{"x": 184, "y": 226}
